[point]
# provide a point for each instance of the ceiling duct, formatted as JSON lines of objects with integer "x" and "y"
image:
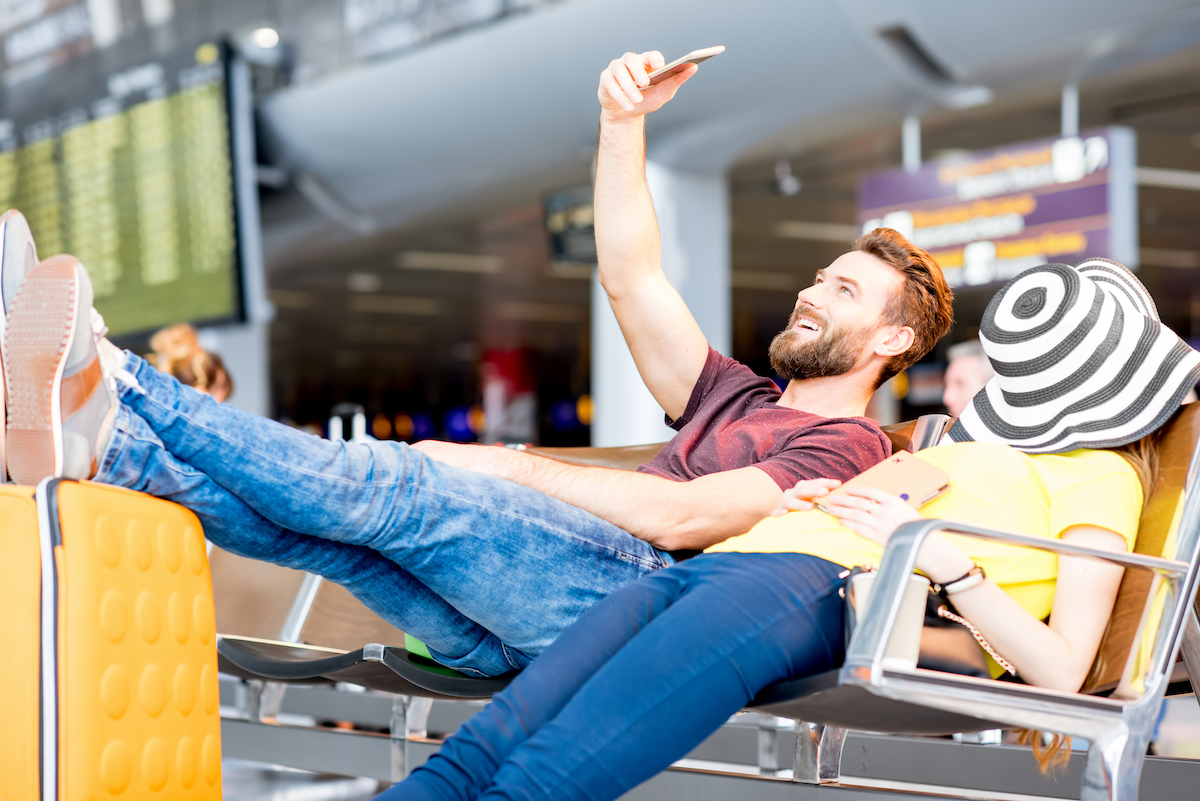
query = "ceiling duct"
{"x": 916, "y": 54}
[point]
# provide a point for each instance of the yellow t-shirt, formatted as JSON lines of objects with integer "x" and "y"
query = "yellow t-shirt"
{"x": 990, "y": 485}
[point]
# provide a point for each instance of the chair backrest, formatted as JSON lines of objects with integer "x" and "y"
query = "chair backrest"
{"x": 1177, "y": 447}
{"x": 339, "y": 620}
{"x": 628, "y": 457}
{"x": 923, "y": 432}
{"x": 900, "y": 434}
{"x": 914, "y": 435}
{"x": 259, "y": 599}
{"x": 252, "y": 598}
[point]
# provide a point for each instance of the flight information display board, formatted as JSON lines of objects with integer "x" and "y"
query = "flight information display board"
{"x": 988, "y": 215}
{"x": 135, "y": 177}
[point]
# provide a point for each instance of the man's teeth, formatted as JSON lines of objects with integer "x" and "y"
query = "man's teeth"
{"x": 810, "y": 325}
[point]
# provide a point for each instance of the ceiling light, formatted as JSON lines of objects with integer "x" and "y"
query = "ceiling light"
{"x": 964, "y": 97}
{"x": 787, "y": 183}
{"x": 266, "y": 38}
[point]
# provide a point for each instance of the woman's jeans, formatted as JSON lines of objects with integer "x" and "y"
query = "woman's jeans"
{"x": 641, "y": 679}
{"x": 485, "y": 572}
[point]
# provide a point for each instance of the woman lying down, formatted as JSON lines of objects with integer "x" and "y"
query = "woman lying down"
{"x": 1059, "y": 444}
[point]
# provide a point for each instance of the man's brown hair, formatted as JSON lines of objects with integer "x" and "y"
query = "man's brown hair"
{"x": 924, "y": 303}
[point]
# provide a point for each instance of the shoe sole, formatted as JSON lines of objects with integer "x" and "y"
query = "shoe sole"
{"x": 11, "y": 260}
{"x": 37, "y": 341}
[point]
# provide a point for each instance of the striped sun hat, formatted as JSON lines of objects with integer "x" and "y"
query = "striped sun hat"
{"x": 1081, "y": 359}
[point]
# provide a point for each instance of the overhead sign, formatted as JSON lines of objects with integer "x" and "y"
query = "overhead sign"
{"x": 988, "y": 215}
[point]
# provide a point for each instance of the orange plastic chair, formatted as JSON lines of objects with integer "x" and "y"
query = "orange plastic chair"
{"x": 117, "y": 589}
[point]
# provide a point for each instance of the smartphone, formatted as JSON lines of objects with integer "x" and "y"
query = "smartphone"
{"x": 680, "y": 64}
{"x": 913, "y": 480}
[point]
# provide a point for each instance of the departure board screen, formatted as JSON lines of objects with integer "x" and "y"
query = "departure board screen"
{"x": 137, "y": 181}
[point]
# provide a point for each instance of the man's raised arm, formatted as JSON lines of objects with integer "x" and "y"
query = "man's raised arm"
{"x": 667, "y": 344}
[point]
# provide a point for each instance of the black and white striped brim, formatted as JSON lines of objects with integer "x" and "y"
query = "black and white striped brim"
{"x": 1081, "y": 359}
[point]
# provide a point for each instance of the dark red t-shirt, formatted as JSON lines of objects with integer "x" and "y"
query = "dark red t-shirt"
{"x": 732, "y": 421}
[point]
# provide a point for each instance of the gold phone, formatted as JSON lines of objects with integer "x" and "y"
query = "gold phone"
{"x": 680, "y": 64}
{"x": 913, "y": 480}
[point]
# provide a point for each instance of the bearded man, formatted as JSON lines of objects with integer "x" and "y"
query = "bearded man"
{"x": 487, "y": 554}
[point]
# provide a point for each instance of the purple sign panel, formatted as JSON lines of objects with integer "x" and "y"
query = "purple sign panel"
{"x": 986, "y": 216}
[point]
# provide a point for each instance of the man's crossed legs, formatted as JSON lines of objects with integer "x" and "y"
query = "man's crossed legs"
{"x": 485, "y": 572}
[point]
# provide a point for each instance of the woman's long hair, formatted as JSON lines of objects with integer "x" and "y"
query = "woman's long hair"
{"x": 1142, "y": 455}
{"x": 1053, "y": 751}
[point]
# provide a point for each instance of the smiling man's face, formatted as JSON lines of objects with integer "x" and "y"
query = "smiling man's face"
{"x": 832, "y": 325}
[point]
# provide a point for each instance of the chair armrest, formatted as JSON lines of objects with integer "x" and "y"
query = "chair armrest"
{"x": 867, "y": 645}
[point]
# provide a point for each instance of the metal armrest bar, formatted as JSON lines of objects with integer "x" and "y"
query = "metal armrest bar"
{"x": 1155, "y": 563}
{"x": 928, "y": 431}
{"x": 871, "y": 636}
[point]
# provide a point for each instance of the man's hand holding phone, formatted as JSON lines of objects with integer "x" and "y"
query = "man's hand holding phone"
{"x": 625, "y": 90}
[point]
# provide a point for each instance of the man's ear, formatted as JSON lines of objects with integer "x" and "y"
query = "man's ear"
{"x": 901, "y": 339}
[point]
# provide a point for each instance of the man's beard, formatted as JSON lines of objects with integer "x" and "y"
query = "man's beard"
{"x": 834, "y": 352}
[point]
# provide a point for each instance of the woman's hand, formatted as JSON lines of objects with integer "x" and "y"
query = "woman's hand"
{"x": 870, "y": 512}
{"x": 800, "y": 498}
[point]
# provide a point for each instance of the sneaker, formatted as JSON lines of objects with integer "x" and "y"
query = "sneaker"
{"x": 18, "y": 255}
{"x": 59, "y": 400}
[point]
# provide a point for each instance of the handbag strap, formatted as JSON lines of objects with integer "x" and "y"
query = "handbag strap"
{"x": 984, "y": 644}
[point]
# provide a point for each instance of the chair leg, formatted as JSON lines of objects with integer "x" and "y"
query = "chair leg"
{"x": 418, "y": 717}
{"x": 769, "y": 728}
{"x": 410, "y": 716}
{"x": 263, "y": 700}
{"x": 818, "y": 753}
{"x": 1114, "y": 769}
{"x": 399, "y": 734}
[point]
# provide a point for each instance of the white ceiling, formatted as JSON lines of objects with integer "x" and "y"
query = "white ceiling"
{"x": 515, "y": 103}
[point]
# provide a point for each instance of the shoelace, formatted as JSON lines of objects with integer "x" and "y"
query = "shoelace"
{"x": 943, "y": 612}
{"x": 99, "y": 329}
{"x": 128, "y": 379}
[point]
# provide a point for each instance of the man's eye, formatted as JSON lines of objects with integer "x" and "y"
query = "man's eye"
{"x": 846, "y": 289}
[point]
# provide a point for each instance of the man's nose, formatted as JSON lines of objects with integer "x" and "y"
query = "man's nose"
{"x": 809, "y": 296}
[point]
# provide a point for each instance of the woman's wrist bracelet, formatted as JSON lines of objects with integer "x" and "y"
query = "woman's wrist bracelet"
{"x": 972, "y": 578}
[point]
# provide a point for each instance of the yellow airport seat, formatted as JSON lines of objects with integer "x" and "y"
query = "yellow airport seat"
{"x": 20, "y": 568}
{"x": 128, "y": 688}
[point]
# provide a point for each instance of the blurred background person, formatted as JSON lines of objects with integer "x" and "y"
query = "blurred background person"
{"x": 966, "y": 373}
{"x": 176, "y": 350}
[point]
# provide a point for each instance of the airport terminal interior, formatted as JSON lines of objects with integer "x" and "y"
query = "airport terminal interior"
{"x": 378, "y": 216}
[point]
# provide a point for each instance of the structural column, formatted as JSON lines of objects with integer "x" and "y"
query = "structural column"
{"x": 245, "y": 347}
{"x": 694, "y": 222}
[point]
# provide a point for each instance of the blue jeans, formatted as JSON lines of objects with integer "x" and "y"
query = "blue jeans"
{"x": 642, "y": 679}
{"x": 485, "y": 572}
